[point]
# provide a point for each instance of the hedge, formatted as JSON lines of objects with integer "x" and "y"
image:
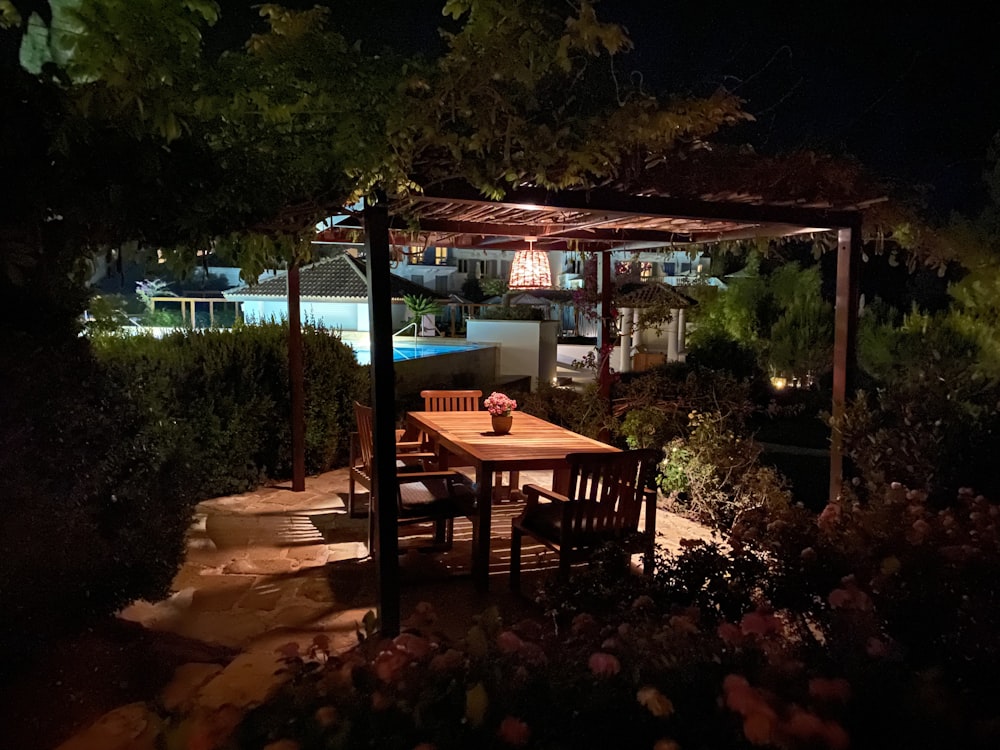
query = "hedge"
{"x": 226, "y": 393}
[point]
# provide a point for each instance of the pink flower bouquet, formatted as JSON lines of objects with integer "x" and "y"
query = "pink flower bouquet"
{"x": 499, "y": 404}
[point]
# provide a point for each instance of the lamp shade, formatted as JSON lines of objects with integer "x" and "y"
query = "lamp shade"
{"x": 530, "y": 270}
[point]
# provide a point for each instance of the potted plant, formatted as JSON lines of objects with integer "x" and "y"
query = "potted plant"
{"x": 422, "y": 309}
{"x": 500, "y": 406}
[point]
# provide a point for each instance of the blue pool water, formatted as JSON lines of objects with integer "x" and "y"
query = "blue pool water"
{"x": 402, "y": 350}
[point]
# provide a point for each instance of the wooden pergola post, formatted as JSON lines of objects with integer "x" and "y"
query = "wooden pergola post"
{"x": 384, "y": 485}
{"x": 845, "y": 353}
{"x": 296, "y": 379}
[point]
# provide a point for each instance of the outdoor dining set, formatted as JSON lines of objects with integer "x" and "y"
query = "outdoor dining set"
{"x": 452, "y": 462}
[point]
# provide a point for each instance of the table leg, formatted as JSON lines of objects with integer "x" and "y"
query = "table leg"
{"x": 481, "y": 528}
{"x": 560, "y": 480}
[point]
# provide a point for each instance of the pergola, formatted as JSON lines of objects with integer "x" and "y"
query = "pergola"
{"x": 614, "y": 217}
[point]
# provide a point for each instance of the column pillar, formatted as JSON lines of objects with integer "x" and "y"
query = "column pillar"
{"x": 681, "y": 331}
{"x": 672, "y": 337}
{"x": 624, "y": 341}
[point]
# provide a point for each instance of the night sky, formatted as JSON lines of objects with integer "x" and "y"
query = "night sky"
{"x": 910, "y": 90}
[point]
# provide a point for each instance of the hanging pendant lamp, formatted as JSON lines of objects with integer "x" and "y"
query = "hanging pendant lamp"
{"x": 530, "y": 269}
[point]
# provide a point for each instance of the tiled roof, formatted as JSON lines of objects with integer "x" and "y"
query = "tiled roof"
{"x": 642, "y": 294}
{"x": 342, "y": 277}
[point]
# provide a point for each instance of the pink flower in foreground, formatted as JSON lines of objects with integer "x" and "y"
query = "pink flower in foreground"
{"x": 513, "y": 731}
{"x": 803, "y": 725}
{"x": 835, "y": 736}
{"x": 876, "y": 648}
{"x": 758, "y": 728}
{"x": 918, "y": 532}
{"x": 509, "y": 643}
{"x": 730, "y": 633}
{"x": 829, "y": 517}
{"x": 450, "y": 659}
{"x": 583, "y": 623}
{"x": 415, "y": 645}
{"x": 759, "y": 623}
{"x": 836, "y": 689}
{"x": 739, "y": 694}
{"x": 390, "y": 663}
{"x": 658, "y": 704}
{"x": 849, "y": 597}
{"x": 604, "y": 665}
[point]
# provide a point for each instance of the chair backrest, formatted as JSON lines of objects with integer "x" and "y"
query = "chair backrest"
{"x": 366, "y": 441}
{"x": 609, "y": 490}
{"x": 451, "y": 400}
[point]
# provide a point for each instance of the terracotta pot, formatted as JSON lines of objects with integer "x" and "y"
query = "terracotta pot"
{"x": 502, "y": 425}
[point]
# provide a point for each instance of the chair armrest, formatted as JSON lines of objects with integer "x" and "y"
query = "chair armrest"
{"x": 418, "y": 476}
{"x": 404, "y": 456}
{"x": 406, "y": 446}
{"x": 534, "y": 491}
{"x": 353, "y": 442}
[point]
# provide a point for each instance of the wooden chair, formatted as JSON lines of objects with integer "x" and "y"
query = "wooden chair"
{"x": 452, "y": 400}
{"x": 468, "y": 400}
{"x": 423, "y": 496}
{"x": 608, "y": 495}
{"x": 410, "y": 453}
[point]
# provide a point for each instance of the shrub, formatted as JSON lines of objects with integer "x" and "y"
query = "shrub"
{"x": 719, "y": 352}
{"x": 228, "y": 392}
{"x": 581, "y": 411}
{"x": 511, "y": 312}
{"x": 654, "y": 405}
{"x": 933, "y": 417}
{"x": 95, "y": 513}
{"x": 715, "y": 473}
{"x": 914, "y": 584}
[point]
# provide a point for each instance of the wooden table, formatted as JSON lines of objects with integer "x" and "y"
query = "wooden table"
{"x": 532, "y": 443}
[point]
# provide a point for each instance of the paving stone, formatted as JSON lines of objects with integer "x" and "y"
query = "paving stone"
{"x": 264, "y": 595}
{"x": 315, "y": 589}
{"x": 309, "y": 552}
{"x": 161, "y": 615}
{"x": 131, "y": 727}
{"x": 189, "y": 576}
{"x": 262, "y": 566}
{"x": 235, "y": 628}
{"x": 215, "y": 558}
{"x": 188, "y": 679}
{"x": 300, "y": 615}
{"x": 248, "y": 680}
{"x": 219, "y": 593}
{"x": 346, "y": 551}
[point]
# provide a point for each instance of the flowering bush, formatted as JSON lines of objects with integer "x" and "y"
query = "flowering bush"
{"x": 714, "y": 651}
{"x": 499, "y": 404}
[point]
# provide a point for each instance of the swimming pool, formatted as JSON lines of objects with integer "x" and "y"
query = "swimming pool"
{"x": 402, "y": 350}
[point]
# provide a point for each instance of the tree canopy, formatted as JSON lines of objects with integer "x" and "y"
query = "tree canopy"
{"x": 168, "y": 145}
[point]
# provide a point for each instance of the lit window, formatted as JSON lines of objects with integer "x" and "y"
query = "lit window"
{"x": 440, "y": 256}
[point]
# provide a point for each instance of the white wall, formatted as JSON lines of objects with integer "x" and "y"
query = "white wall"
{"x": 345, "y": 316}
{"x": 527, "y": 347}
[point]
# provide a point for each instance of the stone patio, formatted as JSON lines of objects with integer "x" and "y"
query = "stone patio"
{"x": 274, "y": 566}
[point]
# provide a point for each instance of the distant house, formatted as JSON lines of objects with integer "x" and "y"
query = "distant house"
{"x": 333, "y": 293}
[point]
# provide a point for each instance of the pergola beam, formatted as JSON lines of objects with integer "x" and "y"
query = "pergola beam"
{"x": 609, "y": 202}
